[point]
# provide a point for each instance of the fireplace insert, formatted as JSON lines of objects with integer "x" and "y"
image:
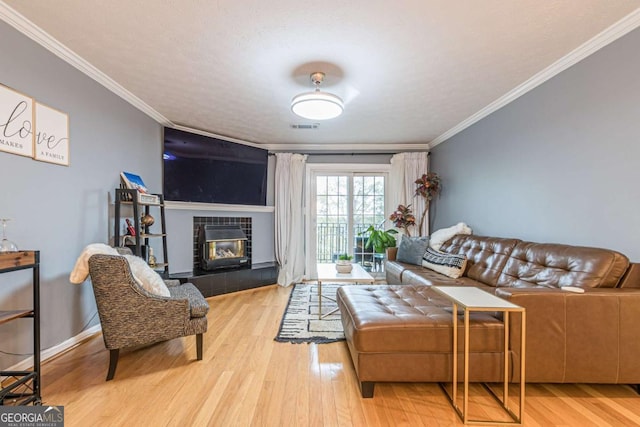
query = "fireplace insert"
{"x": 222, "y": 246}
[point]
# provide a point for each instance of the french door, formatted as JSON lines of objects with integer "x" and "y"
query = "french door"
{"x": 343, "y": 201}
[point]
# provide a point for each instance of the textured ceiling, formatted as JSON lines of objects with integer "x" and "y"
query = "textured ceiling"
{"x": 408, "y": 71}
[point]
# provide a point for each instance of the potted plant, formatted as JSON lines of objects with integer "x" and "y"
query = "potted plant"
{"x": 403, "y": 218}
{"x": 378, "y": 239}
{"x": 428, "y": 186}
{"x": 343, "y": 264}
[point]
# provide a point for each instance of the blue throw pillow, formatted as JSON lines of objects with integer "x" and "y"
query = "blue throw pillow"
{"x": 411, "y": 249}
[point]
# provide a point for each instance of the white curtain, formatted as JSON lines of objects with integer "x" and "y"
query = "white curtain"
{"x": 289, "y": 217}
{"x": 405, "y": 169}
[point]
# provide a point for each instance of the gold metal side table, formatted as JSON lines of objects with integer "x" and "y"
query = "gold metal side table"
{"x": 472, "y": 299}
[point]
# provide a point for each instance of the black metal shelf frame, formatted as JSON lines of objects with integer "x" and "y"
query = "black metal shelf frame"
{"x": 128, "y": 197}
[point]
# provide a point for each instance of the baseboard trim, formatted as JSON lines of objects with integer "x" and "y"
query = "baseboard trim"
{"x": 52, "y": 352}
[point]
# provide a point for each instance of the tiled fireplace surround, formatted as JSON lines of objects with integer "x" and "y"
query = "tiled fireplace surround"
{"x": 223, "y": 281}
{"x": 198, "y": 221}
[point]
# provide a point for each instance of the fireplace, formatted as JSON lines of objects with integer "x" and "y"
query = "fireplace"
{"x": 221, "y": 243}
{"x": 222, "y": 246}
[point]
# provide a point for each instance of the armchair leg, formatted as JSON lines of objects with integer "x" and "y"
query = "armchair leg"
{"x": 113, "y": 363}
{"x": 199, "y": 346}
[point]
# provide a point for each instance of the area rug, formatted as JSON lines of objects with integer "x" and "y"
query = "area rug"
{"x": 300, "y": 323}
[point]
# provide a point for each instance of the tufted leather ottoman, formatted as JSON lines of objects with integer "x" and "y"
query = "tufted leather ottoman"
{"x": 402, "y": 333}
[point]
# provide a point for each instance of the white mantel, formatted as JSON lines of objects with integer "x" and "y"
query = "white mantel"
{"x": 193, "y": 206}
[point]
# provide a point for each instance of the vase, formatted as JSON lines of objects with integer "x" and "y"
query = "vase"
{"x": 343, "y": 266}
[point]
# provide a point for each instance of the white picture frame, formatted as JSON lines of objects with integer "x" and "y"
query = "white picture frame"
{"x": 16, "y": 122}
{"x": 51, "y": 142}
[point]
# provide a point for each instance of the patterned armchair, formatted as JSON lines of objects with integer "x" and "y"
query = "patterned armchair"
{"x": 131, "y": 316}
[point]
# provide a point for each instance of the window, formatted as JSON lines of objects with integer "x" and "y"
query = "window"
{"x": 341, "y": 205}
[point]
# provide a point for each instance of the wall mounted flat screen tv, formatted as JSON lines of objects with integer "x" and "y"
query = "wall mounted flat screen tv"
{"x": 209, "y": 170}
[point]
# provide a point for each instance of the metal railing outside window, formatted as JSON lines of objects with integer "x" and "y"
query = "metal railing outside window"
{"x": 332, "y": 240}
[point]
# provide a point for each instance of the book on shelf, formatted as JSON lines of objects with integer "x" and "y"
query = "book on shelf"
{"x": 132, "y": 181}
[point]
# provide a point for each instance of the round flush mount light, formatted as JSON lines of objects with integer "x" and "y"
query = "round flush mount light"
{"x": 317, "y": 105}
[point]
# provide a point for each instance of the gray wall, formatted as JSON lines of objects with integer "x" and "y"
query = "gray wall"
{"x": 58, "y": 209}
{"x": 559, "y": 164}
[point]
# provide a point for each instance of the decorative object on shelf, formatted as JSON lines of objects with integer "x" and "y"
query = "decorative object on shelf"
{"x": 428, "y": 186}
{"x": 317, "y": 105}
{"x": 16, "y": 122}
{"x": 403, "y": 218}
{"x": 51, "y": 135}
{"x": 132, "y": 181}
{"x": 130, "y": 228}
{"x": 379, "y": 239}
{"x": 147, "y": 220}
{"x": 152, "y": 258}
{"x": 343, "y": 263}
{"x": 6, "y": 245}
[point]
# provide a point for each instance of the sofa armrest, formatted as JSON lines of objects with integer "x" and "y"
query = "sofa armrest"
{"x": 589, "y": 337}
{"x": 631, "y": 278}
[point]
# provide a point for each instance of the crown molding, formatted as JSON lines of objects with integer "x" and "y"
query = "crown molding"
{"x": 35, "y": 33}
{"x": 348, "y": 148}
{"x": 614, "y": 32}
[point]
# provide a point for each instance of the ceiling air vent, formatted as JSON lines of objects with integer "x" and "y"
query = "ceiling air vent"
{"x": 306, "y": 126}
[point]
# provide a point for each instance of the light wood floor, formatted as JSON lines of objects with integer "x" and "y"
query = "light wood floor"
{"x": 246, "y": 378}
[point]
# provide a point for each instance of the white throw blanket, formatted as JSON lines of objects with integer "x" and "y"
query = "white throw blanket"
{"x": 81, "y": 270}
{"x": 438, "y": 238}
{"x": 142, "y": 273}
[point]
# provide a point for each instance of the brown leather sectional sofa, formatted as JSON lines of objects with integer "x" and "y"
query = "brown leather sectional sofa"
{"x": 401, "y": 332}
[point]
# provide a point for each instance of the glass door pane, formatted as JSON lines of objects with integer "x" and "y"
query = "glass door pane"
{"x": 368, "y": 209}
{"x": 332, "y": 217}
{"x": 346, "y": 205}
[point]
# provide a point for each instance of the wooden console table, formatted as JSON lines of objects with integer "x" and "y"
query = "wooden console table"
{"x": 472, "y": 299}
{"x": 25, "y": 385}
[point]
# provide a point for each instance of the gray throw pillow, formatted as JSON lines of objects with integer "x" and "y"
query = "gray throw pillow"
{"x": 411, "y": 249}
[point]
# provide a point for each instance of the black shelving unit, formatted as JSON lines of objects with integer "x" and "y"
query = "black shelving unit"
{"x": 23, "y": 387}
{"x": 127, "y": 197}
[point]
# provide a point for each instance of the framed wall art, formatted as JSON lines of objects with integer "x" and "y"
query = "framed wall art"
{"x": 51, "y": 135}
{"x": 16, "y": 122}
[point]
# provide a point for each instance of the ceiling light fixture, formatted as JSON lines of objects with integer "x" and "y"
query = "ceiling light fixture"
{"x": 317, "y": 105}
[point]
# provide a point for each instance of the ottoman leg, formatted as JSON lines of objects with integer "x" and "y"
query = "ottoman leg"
{"x": 366, "y": 389}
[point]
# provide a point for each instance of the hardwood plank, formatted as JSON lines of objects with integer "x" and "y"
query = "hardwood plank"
{"x": 246, "y": 378}
{"x": 8, "y": 315}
